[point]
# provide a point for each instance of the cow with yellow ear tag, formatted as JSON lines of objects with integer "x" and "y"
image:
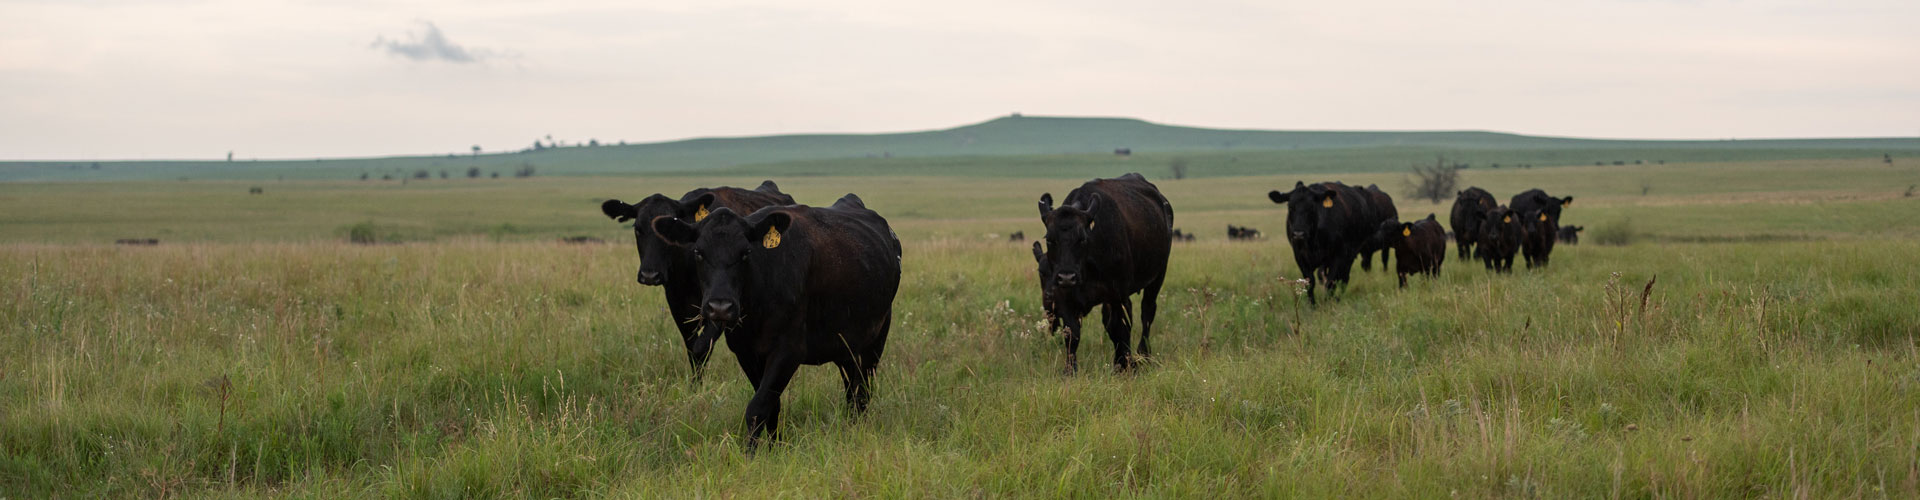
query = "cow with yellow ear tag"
{"x": 1421, "y": 245}
{"x": 671, "y": 268}
{"x": 1109, "y": 240}
{"x": 794, "y": 285}
{"x": 1329, "y": 225}
{"x": 1501, "y": 237}
{"x": 1542, "y": 232}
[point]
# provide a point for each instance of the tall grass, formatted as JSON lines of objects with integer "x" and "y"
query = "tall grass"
{"x": 471, "y": 368}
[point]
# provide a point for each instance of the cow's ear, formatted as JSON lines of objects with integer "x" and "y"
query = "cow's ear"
{"x": 1093, "y": 201}
{"x": 770, "y": 231}
{"x": 1566, "y": 202}
{"x": 768, "y": 186}
{"x": 1038, "y": 255}
{"x": 618, "y": 210}
{"x": 674, "y": 231}
{"x": 1046, "y": 205}
{"x": 697, "y": 208}
{"x": 1277, "y": 196}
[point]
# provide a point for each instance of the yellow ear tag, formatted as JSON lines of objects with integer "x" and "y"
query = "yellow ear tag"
{"x": 1090, "y": 224}
{"x": 1406, "y": 232}
{"x": 700, "y": 214}
{"x": 1327, "y": 203}
{"x": 1507, "y": 219}
{"x": 772, "y": 239}
{"x": 1567, "y": 203}
{"x": 1543, "y": 217}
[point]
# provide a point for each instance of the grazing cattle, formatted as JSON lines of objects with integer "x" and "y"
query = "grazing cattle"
{"x": 1382, "y": 211}
{"x": 582, "y": 240}
{"x": 1571, "y": 234}
{"x": 1242, "y": 233}
{"x": 1017, "y": 236}
{"x": 138, "y": 242}
{"x": 1537, "y": 244}
{"x": 1123, "y": 151}
{"x": 1500, "y": 238}
{"x": 1422, "y": 246}
{"x": 1180, "y": 236}
{"x": 1327, "y": 225}
{"x": 1535, "y": 199}
{"x": 1469, "y": 210}
{"x": 672, "y": 268}
{"x": 256, "y": 190}
{"x": 794, "y": 285}
{"x": 1107, "y": 241}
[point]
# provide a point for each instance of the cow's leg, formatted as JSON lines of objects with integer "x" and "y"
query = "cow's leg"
{"x": 763, "y": 411}
{"x": 1117, "y": 316}
{"x": 1403, "y": 280}
{"x": 859, "y": 372}
{"x": 1072, "y": 340}
{"x": 1149, "y": 305}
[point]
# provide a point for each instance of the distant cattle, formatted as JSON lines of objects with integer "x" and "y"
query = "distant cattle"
{"x": 1422, "y": 246}
{"x": 1571, "y": 234}
{"x": 1537, "y": 244}
{"x": 1017, "y": 236}
{"x": 1469, "y": 210}
{"x": 672, "y": 267}
{"x": 256, "y": 190}
{"x": 1107, "y": 241}
{"x": 1535, "y": 199}
{"x": 138, "y": 242}
{"x": 794, "y": 285}
{"x": 1123, "y": 152}
{"x": 582, "y": 240}
{"x": 1383, "y": 211}
{"x": 1327, "y": 225}
{"x": 1500, "y": 238}
{"x": 1180, "y": 236}
{"x": 1242, "y": 233}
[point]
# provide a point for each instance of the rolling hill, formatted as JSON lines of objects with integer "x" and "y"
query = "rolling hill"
{"x": 1050, "y": 139}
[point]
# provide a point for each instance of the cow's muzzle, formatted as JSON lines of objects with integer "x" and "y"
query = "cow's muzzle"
{"x": 652, "y": 278}
{"x": 722, "y": 310}
{"x": 1066, "y": 279}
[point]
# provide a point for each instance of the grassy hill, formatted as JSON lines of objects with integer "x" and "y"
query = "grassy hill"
{"x": 1051, "y": 139}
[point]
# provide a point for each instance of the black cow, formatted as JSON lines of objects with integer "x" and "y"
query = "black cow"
{"x": 1500, "y": 238}
{"x": 1327, "y": 225}
{"x": 1383, "y": 211}
{"x": 671, "y": 267}
{"x": 1571, "y": 234}
{"x": 1538, "y": 242}
{"x": 1469, "y": 210}
{"x": 1180, "y": 236}
{"x": 1242, "y": 233}
{"x": 794, "y": 285}
{"x": 1017, "y": 236}
{"x": 1535, "y": 199}
{"x": 1422, "y": 246}
{"x": 1107, "y": 241}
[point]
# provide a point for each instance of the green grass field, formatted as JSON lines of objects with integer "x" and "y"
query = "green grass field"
{"x": 255, "y": 353}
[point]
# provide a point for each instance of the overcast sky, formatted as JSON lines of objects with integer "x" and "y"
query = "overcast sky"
{"x": 104, "y": 79}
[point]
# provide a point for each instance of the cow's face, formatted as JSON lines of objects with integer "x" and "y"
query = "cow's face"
{"x": 1069, "y": 239}
{"x": 1501, "y": 222}
{"x": 722, "y": 245}
{"x": 654, "y": 253}
{"x": 1306, "y": 209}
{"x": 1392, "y": 231}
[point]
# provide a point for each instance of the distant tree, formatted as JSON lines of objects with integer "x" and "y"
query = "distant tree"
{"x": 593, "y": 143}
{"x": 473, "y": 172}
{"x": 476, "y": 151}
{"x": 1885, "y": 157}
{"x": 1179, "y": 168}
{"x": 229, "y": 156}
{"x": 525, "y": 170}
{"x": 537, "y": 146}
{"x": 363, "y": 176}
{"x": 623, "y": 142}
{"x": 422, "y": 174}
{"x": 386, "y": 177}
{"x": 1435, "y": 183}
{"x": 96, "y": 165}
{"x": 443, "y": 173}
{"x": 496, "y": 175}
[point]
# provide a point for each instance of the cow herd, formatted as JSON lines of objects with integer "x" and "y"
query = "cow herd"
{"x": 789, "y": 285}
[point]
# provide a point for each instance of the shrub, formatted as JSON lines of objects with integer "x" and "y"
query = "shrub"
{"x": 1617, "y": 233}
{"x": 364, "y": 233}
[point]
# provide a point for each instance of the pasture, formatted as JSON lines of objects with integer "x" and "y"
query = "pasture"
{"x": 1755, "y": 338}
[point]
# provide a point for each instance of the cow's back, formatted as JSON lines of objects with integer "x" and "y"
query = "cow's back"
{"x": 1137, "y": 228}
